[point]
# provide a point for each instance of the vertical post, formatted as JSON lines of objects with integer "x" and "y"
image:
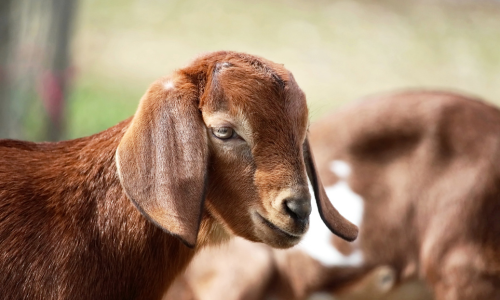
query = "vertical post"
{"x": 5, "y": 120}
{"x": 56, "y": 78}
{"x": 34, "y": 60}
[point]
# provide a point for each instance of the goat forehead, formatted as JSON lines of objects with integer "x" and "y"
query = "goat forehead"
{"x": 282, "y": 124}
{"x": 262, "y": 95}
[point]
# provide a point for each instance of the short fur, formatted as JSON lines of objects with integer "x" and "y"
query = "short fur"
{"x": 109, "y": 216}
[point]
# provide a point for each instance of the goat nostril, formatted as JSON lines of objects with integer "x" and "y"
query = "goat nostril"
{"x": 298, "y": 208}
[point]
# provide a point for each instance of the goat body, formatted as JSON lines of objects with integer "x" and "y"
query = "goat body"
{"x": 69, "y": 231}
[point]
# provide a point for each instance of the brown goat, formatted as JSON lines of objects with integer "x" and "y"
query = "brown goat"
{"x": 218, "y": 148}
{"x": 426, "y": 166}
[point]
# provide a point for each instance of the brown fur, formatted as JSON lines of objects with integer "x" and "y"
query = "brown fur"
{"x": 109, "y": 216}
{"x": 426, "y": 165}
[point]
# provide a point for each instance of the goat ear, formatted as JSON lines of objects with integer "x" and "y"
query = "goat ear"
{"x": 331, "y": 217}
{"x": 162, "y": 160}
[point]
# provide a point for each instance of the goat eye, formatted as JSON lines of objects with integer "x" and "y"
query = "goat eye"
{"x": 223, "y": 133}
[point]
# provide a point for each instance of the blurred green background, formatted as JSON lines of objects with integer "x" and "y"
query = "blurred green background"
{"x": 337, "y": 50}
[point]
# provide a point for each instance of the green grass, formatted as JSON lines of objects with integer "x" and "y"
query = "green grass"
{"x": 337, "y": 50}
{"x": 97, "y": 105}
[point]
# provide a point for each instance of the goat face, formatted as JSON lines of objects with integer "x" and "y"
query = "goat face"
{"x": 231, "y": 129}
{"x": 256, "y": 120}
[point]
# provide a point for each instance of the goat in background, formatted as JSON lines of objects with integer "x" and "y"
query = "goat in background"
{"x": 426, "y": 166}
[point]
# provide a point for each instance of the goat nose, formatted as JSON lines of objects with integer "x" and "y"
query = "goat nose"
{"x": 298, "y": 208}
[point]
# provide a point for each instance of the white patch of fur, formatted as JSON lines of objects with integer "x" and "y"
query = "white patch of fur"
{"x": 346, "y": 201}
{"x": 317, "y": 241}
{"x": 168, "y": 85}
{"x": 340, "y": 168}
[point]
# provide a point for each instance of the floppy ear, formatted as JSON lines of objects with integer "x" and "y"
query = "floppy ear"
{"x": 162, "y": 159}
{"x": 331, "y": 217}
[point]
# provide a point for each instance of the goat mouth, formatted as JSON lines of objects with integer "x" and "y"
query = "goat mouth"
{"x": 277, "y": 229}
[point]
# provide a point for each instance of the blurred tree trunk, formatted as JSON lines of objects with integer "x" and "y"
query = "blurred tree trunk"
{"x": 5, "y": 123}
{"x": 40, "y": 67}
{"x": 63, "y": 12}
